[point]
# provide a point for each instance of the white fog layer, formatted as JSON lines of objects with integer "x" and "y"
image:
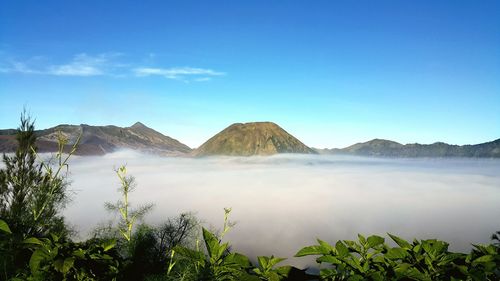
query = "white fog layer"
{"x": 282, "y": 203}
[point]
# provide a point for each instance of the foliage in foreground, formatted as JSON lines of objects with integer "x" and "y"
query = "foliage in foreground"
{"x": 371, "y": 259}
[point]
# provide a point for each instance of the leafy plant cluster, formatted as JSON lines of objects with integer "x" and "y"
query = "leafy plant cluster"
{"x": 371, "y": 259}
{"x": 36, "y": 244}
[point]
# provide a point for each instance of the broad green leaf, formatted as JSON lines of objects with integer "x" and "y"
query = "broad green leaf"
{"x": 54, "y": 237}
{"x": 327, "y": 248}
{"x": 188, "y": 253}
{"x": 284, "y": 270}
{"x": 33, "y": 240}
{"x": 377, "y": 276}
{"x": 374, "y": 241}
{"x": 36, "y": 258}
{"x": 58, "y": 265}
{"x": 238, "y": 259}
{"x": 4, "y": 227}
{"x": 257, "y": 271}
{"x": 356, "y": 277}
{"x": 211, "y": 242}
{"x": 407, "y": 270}
{"x": 395, "y": 253}
{"x": 353, "y": 245}
{"x": 68, "y": 264}
{"x": 108, "y": 245}
{"x": 362, "y": 239}
{"x": 401, "y": 242}
{"x": 342, "y": 250}
{"x": 328, "y": 259}
{"x": 273, "y": 276}
{"x": 310, "y": 250}
{"x": 274, "y": 261}
{"x": 486, "y": 258}
{"x": 263, "y": 261}
{"x": 450, "y": 258}
{"x": 80, "y": 253}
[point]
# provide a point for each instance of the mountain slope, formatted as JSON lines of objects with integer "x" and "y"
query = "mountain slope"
{"x": 257, "y": 138}
{"x": 386, "y": 148}
{"x": 99, "y": 140}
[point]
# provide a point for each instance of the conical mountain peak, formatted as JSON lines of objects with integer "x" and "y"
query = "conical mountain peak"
{"x": 255, "y": 138}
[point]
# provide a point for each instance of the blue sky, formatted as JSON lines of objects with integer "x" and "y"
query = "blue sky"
{"x": 332, "y": 73}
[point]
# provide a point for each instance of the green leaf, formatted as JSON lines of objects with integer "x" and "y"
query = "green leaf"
{"x": 237, "y": 259}
{"x": 327, "y": 248}
{"x": 33, "y": 240}
{"x": 362, "y": 239}
{"x": 58, "y": 265}
{"x": 486, "y": 258}
{"x": 189, "y": 253}
{"x": 407, "y": 270}
{"x": 374, "y": 241}
{"x": 396, "y": 253}
{"x": 211, "y": 242}
{"x": 67, "y": 265}
{"x": 4, "y": 227}
{"x": 353, "y": 245}
{"x": 80, "y": 253}
{"x": 108, "y": 245}
{"x": 36, "y": 258}
{"x": 401, "y": 242}
{"x": 310, "y": 250}
{"x": 274, "y": 261}
{"x": 263, "y": 261}
{"x": 284, "y": 270}
{"x": 328, "y": 259}
{"x": 342, "y": 249}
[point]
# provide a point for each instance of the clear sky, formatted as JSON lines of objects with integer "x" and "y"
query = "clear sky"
{"x": 332, "y": 73}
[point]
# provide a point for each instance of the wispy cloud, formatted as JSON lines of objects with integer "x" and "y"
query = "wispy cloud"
{"x": 179, "y": 73}
{"x": 18, "y": 67}
{"x": 85, "y": 65}
{"x": 80, "y": 65}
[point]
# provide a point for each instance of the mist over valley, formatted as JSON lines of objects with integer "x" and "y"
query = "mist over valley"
{"x": 286, "y": 200}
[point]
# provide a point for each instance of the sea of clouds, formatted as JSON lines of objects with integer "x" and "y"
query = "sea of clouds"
{"x": 284, "y": 202}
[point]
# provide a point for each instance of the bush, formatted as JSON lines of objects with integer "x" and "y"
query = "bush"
{"x": 371, "y": 259}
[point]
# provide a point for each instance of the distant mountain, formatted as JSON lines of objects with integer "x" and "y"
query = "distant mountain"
{"x": 386, "y": 148}
{"x": 258, "y": 138}
{"x": 99, "y": 140}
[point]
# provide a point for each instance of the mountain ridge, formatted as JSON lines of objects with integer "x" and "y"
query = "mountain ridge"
{"x": 388, "y": 148}
{"x": 239, "y": 139}
{"x": 99, "y": 140}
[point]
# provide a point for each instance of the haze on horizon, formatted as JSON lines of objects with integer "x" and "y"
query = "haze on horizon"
{"x": 330, "y": 73}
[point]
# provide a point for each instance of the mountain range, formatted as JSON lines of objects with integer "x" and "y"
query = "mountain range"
{"x": 239, "y": 139}
{"x": 387, "y": 148}
{"x": 99, "y": 140}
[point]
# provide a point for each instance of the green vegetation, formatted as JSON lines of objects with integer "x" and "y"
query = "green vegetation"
{"x": 36, "y": 244}
{"x": 371, "y": 259}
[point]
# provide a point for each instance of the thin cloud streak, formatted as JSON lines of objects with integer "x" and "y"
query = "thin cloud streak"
{"x": 179, "y": 73}
{"x": 80, "y": 65}
{"x": 105, "y": 64}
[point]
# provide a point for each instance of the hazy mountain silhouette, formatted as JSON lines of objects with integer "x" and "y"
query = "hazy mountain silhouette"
{"x": 387, "y": 148}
